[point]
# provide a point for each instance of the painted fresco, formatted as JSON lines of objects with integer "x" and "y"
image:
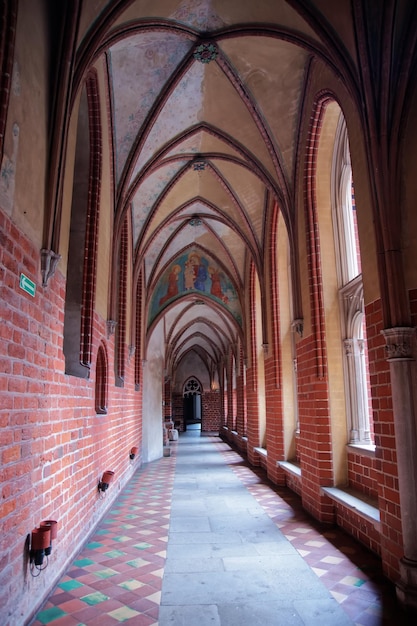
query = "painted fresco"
{"x": 199, "y": 14}
{"x": 139, "y": 68}
{"x": 193, "y": 272}
{"x": 187, "y": 101}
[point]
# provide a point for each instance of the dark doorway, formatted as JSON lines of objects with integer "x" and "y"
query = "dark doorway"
{"x": 192, "y": 405}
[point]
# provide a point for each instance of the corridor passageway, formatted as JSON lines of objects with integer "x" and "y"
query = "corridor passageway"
{"x": 199, "y": 538}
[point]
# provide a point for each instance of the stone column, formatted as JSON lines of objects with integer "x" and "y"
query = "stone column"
{"x": 400, "y": 345}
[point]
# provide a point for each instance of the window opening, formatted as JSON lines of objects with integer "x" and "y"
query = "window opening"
{"x": 355, "y": 351}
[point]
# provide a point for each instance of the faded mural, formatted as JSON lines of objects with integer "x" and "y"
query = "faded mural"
{"x": 194, "y": 272}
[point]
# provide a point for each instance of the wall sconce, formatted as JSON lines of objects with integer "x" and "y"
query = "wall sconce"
{"x": 133, "y": 452}
{"x": 105, "y": 481}
{"x": 41, "y": 545}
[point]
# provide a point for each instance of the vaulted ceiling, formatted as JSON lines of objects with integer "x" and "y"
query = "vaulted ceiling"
{"x": 206, "y": 98}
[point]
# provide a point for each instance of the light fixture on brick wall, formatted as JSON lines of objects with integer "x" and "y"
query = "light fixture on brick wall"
{"x": 133, "y": 452}
{"x": 105, "y": 481}
{"x": 41, "y": 545}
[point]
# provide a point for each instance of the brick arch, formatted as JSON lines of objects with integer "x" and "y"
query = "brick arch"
{"x": 101, "y": 384}
{"x": 313, "y": 242}
{"x": 82, "y": 254}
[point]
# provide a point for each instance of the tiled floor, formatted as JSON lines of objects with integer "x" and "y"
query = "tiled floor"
{"x": 117, "y": 577}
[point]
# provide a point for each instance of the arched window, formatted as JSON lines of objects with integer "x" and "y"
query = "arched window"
{"x": 101, "y": 381}
{"x": 122, "y": 305}
{"x": 351, "y": 293}
{"x": 192, "y": 387}
{"x": 82, "y": 252}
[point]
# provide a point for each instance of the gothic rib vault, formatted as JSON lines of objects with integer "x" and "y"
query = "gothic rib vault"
{"x": 205, "y": 107}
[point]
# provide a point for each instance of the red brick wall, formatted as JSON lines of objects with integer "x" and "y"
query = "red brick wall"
{"x": 178, "y": 410}
{"x": 386, "y": 468}
{"x": 53, "y": 446}
{"x": 314, "y": 443}
{"x": 211, "y": 410}
{"x": 363, "y": 530}
{"x": 252, "y": 415}
{"x": 274, "y": 423}
{"x": 362, "y": 473}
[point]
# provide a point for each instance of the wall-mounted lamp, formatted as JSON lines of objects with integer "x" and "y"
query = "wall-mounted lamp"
{"x": 41, "y": 545}
{"x": 105, "y": 481}
{"x": 133, "y": 452}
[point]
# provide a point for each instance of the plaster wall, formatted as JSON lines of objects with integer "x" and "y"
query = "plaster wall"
{"x": 22, "y": 185}
{"x": 337, "y": 400}
{"x": 153, "y": 371}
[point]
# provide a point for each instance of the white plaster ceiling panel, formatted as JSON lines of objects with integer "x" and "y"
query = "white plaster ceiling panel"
{"x": 262, "y": 12}
{"x": 192, "y": 185}
{"x": 194, "y": 312}
{"x": 188, "y": 344}
{"x": 139, "y": 68}
{"x": 210, "y": 340}
{"x": 149, "y": 192}
{"x": 249, "y": 190}
{"x": 185, "y": 189}
{"x": 274, "y": 73}
{"x": 230, "y": 114}
{"x": 181, "y": 110}
{"x": 147, "y": 9}
{"x": 197, "y": 362}
{"x": 196, "y": 207}
{"x": 212, "y": 144}
{"x": 202, "y": 326}
{"x": 177, "y": 313}
{"x": 205, "y": 15}
{"x": 190, "y": 145}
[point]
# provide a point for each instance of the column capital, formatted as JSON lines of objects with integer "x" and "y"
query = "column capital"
{"x": 399, "y": 343}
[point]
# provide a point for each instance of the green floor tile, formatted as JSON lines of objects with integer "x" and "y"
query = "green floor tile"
{"x": 143, "y": 546}
{"x": 114, "y": 554}
{"x": 49, "y": 615}
{"x": 137, "y": 563}
{"x": 94, "y": 598}
{"x": 102, "y": 531}
{"x": 70, "y": 584}
{"x": 83, "y": 562}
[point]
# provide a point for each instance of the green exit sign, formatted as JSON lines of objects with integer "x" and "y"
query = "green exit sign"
{"x": 27, "y": 285}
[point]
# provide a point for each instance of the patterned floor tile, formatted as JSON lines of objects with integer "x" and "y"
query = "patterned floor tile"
{"x": 117, "y": 577}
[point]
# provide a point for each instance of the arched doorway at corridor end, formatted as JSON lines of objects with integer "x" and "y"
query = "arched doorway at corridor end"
{"x": 192, "y": 405}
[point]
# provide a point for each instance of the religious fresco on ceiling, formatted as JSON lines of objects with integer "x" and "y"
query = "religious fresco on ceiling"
{"x": 193, "y": 272}
{"x": 187, "y": 102}
{"x": 139, "y": 70}
{"x": 149, "y": 192}
{"x": 199, "y": 14}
